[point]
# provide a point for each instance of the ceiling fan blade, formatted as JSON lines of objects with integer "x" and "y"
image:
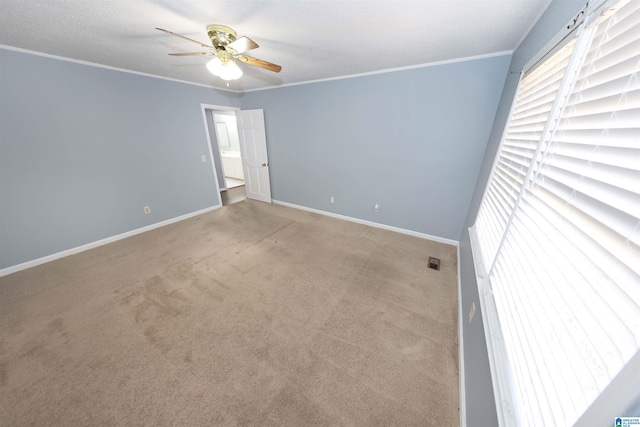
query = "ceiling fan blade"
{"x": 183, "y": 37}
{"x": 260, "y": 63}
{"x": 243, "y": 44}
{"x": 193, "y": 54}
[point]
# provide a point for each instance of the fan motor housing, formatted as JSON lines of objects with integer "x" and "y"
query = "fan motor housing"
{"x": 220, "y": 35}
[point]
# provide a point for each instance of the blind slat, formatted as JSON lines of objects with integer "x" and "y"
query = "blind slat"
{"x": 575, "y": 148}
{"x": 608, "y": 139}
{"x": 591, "y": 102}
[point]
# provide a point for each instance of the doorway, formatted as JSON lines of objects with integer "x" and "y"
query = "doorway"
{"x": 222, "y": 132}
{"x": 250, "y": 128}
{"x": 232, "y": 195}
{"x": 226, "y": 128}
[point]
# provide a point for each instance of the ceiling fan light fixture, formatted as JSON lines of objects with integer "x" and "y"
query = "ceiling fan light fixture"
{"x": 227, "y": 48}
{"x": 227, "y": 70}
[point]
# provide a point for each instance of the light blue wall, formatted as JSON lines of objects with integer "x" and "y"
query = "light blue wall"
{"x": 480, "y": 405}
{"x": 411, "y": 141}
{"x": 83, "y": 149}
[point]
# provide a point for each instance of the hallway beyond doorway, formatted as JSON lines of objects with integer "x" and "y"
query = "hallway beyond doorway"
{"x": 233, "y": 195}
{"x": 233, "y": 183}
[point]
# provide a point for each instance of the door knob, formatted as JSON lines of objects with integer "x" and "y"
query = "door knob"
{"x": 265, "y": 164}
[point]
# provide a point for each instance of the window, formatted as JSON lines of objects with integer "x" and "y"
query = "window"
{"x": 557, "y": 238}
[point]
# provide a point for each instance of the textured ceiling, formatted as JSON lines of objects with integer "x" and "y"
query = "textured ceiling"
{"x": 312, "y": 40}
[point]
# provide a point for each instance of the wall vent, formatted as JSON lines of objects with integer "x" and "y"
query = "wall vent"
{"x": 434, "y": 263}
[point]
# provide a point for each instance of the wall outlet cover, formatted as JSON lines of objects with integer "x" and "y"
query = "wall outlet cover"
{"x": 147, "y": 210}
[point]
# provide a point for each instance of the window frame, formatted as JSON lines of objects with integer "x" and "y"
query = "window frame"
{"x": 620, "y": 393}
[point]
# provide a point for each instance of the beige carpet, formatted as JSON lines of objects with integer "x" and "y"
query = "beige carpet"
{"x": 253, "y": 314}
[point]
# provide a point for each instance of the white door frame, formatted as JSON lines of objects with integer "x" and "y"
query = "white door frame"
{"x": 214, "y": 108}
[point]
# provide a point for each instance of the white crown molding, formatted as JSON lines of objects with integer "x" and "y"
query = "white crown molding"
{"x": 108, "y": 67}
{"x": 389, "y": 70}
{"x": 123, "y": 70}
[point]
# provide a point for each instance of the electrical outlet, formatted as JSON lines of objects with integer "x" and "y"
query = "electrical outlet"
{"x": 376, "y": 208}
{"x": 332, "y": 200}
{"x": 147, "y": 210}
{"x": 203, "y": 158}
{"x": 472, "y": 311}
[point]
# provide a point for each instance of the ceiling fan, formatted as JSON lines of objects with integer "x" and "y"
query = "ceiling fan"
{"x": 226, "y": 48}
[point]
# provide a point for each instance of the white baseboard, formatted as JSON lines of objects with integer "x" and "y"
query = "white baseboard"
{"x": 463, "y": 402}
{"x": 72, "y": 251}
{"x": 371, "y": 223}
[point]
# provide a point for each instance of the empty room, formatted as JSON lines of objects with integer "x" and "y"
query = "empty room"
{"x": 310, "y": 213}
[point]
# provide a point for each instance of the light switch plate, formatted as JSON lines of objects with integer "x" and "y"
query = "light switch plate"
{"x": 472, "y": 311}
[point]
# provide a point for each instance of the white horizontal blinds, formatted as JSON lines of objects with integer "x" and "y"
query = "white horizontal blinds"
{"x": 523, "y": 280}
{"x": 566, "y": 280}
{"x": 536, "y": 95}
{"x": 591, "y": 180}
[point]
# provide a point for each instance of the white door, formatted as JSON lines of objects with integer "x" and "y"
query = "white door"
{"x": 253, "y": 145}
